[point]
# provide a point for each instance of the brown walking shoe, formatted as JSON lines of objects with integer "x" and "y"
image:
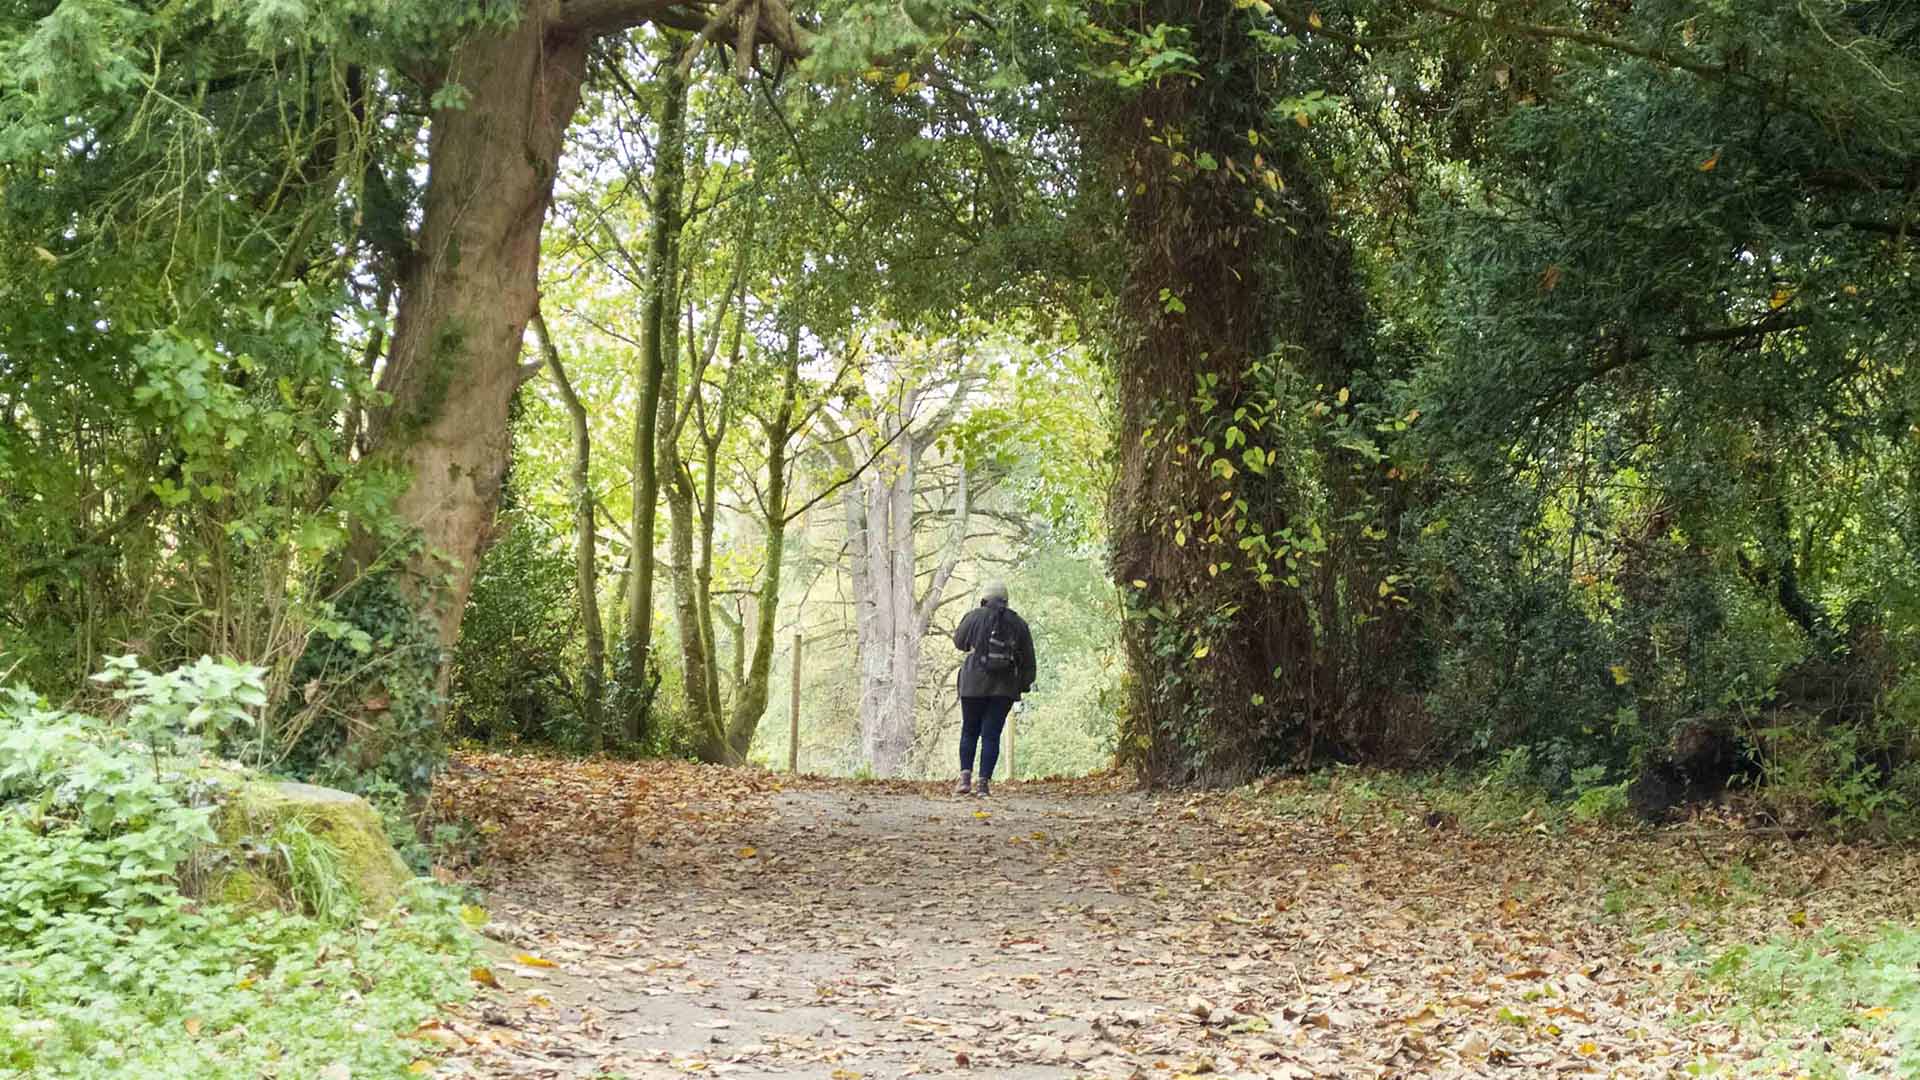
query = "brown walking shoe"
{"x": 984, "y": 788}
{"x": 965, "y": 786}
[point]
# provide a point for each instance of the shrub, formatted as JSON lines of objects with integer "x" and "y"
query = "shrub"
{"x": 513, "y": 678}
{"x": 107, "y": 969}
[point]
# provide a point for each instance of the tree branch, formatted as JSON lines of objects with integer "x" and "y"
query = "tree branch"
{"x": 1584, "y": 37}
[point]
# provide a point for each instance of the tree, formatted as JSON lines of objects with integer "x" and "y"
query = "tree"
{"x": 586, "y": 555}
{"x": 912, "y": 400}
{"x": 470, "y": 289}
{"x": 1240, "y": 310}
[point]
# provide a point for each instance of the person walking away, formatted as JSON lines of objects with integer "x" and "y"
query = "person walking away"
{"x": 999, "y": 668}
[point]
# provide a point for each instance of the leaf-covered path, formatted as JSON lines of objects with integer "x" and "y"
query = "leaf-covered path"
{"x": 667, "y": 920}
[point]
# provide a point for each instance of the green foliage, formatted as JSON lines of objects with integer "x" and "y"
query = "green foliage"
{"x": 366, "y": 712}
{"x": 1828, "y": 982}
{"x": 315, "y": 875}
{"x": 1065, "y": 727}
{"x": 1597, "y": 801}
{"x": 108, "y": 970}
{"x": 513, "y": 670}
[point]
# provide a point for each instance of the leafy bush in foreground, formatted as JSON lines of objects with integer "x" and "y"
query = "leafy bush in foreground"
{"x": 108, "y": 969}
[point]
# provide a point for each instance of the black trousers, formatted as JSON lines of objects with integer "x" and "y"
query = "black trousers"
{"x": 982, "y": 719}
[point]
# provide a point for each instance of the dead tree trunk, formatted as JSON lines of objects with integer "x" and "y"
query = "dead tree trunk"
{"x": 893, "y": 614}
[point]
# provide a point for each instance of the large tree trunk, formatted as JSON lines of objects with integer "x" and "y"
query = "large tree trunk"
{"x": 890, "y": 735}
{"x": 1238, "y": 297}
{"x": 465, "y": 300}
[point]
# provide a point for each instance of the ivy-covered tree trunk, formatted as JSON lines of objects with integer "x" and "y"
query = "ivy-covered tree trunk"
{"x": 1240, "y": 311}
{"x": 465, "y": 299}
{"x": 657, "y": 328}
{"x": 780, "y": 428}
{"x": 585, "y": 559}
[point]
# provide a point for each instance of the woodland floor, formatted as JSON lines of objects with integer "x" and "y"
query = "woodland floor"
{"x": 666, "y": 920}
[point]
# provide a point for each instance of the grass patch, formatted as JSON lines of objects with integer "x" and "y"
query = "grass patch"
{"x": 1487, "y": 802}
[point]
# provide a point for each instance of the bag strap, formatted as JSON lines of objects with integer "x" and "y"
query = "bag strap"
{"x": 985, "y": 636}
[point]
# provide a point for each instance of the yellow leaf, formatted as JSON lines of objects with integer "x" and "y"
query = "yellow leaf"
{"x": 1711, "y": 163}
{"x": 1780, "y": 298}
{"x": 1342, "y": 396}
{"x": 747, "y": 852}
{"x": 1313, "y": 19}
{"x": 902, "y": 82}
{"x": 1301, "y": 119}
{"x": 46, "y": 256}
{"x": 1878, "y": 1012}
{"x": 485, "y": 977}
{"x": 421, "y": 1067}
{"x": 1139, "y": 584}
{"x": 1386, "y": 589}
{"x": 982, "y": 814}
{"x": 1200, "y": 651}
{"x": 1588, "y": 1049}
{"x": 531, "y": 960}
{"x": 1621, "y": 676}
{"x": 192, "y": 1024}
{"x": 874, "y": 75}
{"x": 244, "y": 984}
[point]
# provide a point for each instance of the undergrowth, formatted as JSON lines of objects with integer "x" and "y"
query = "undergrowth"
{"x": 1833, "y": 984}
{"x": 1820, "y": 1001}
{"x": 109, "y": 970}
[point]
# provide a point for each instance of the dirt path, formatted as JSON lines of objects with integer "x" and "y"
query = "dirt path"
{"x": 843, "y": 932}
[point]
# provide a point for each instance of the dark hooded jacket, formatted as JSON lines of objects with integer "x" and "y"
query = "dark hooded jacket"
{"x": 972, "y": 632}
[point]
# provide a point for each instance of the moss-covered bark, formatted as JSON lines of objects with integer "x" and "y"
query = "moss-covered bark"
{"x": 250, "y": 868}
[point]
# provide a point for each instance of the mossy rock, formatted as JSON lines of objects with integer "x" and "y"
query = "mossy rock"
{"x": 262, "y": 821}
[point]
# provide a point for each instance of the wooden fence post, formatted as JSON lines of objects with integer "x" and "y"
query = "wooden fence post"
{"x": 1012, "y": 773}
{"x": 793, "y": 718}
